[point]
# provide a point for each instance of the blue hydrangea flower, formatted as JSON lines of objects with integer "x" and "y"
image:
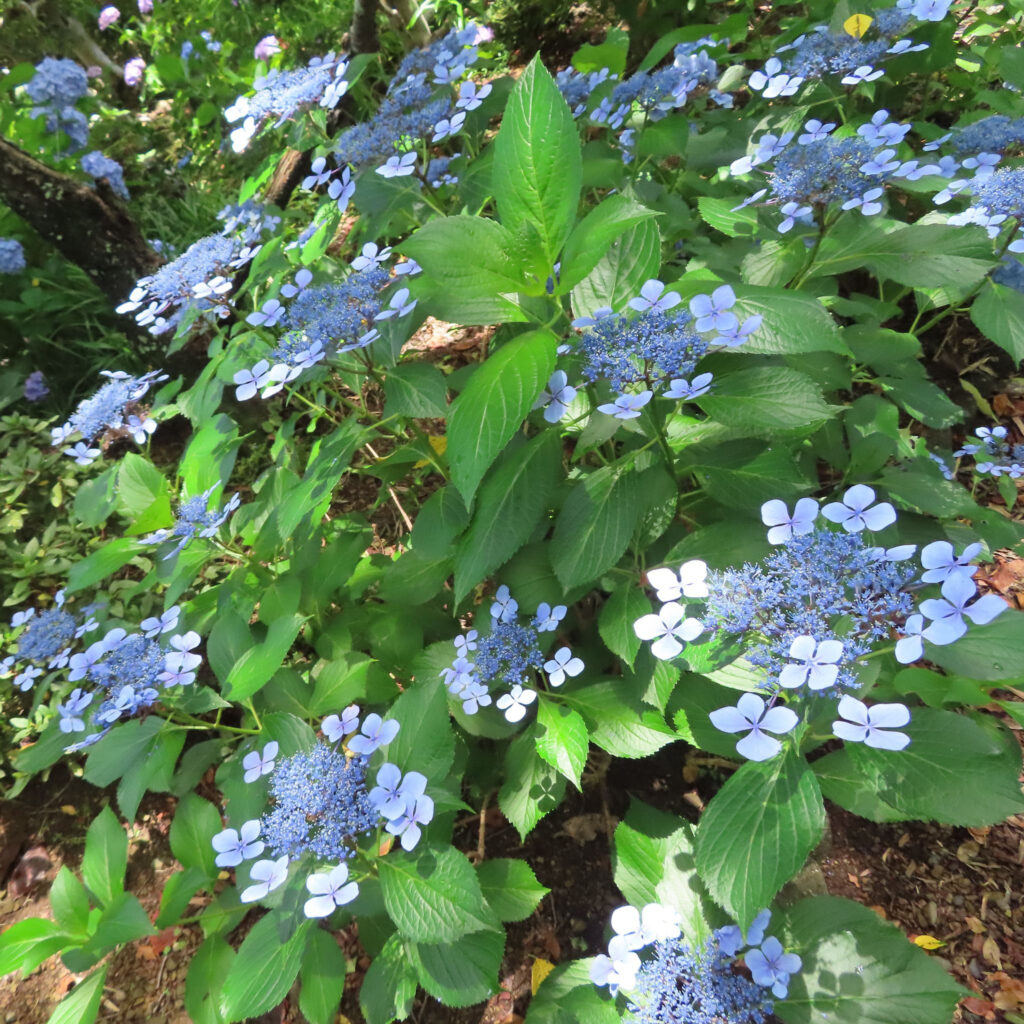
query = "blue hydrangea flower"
{"x": 957, "y": 602}
{"x": 771, "y": 966}
{"x": 97, "y": 166}
{"x": 266, "y": 876}
{"x": 329, "y": 891}
{"x": 871, "y": 726}
{"x": 418, "y": 811}
{"x": 783, "y": 525}
{"x": 12, "y": 256}
{"x": 751, "y": 716}
{"x": 857, "y": 511}
{"x": 233, "y": 846}
{"x": 375, "y": 732}
{"x": 194, "y": 518}
{"x": 257, "y": 764}
{"x": 556, "y": 398}
{"x": 670, "y": 630}
{"x": 816, "y": 663}
{"x": 626, "y": 406}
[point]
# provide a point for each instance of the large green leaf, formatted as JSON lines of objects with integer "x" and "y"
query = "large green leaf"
{"x": 532, "y": 787}
{"x": 416, "y": 389}
{"x": 122, "y": 750}
{"x": 462, "y": 972}
{"x": 70, "y": 901}
{"x": 757, "y": 832}
{"x": 976, "y": 787}
{"x": 568, "y": 996}
{"x": 510, "y": 504}
{"x": 425, "y": 743}
{"x": 211, "y": 964}
{"x": 510, "y": 888}
{"x": 618, "y": 721}
{"x": 389, "y": 986}
{"x": 593, "y": 235}
{"x": 744, "y": 474}
{"x": 595, "y": 524}
{"x": 83, "y": 1002}
{"x": 264, "y": 969}
{"x": 258, "y": 663}
{"x": 462, "y": 289}
{"x": 28, "y": 942}
{"x": 538, "y": 168}
{"x": 991, "y": 652}
{"x": 625, "y": 605}
{"x": 998, "y": 312}
{"x": 494, "y": 403}
{"x": 322, "y": 978}
{"x": 633, "y": 258}
{"x": 106, "y": 857}
{"x": 433, "y": 895}
{"x": 196, "y": 822}
{"x": 563, "y": 740}
{"x": 859, "y": 969}
{"x": 101, "y": 563}
{"x": 791, "y": 323}
{"x": 767, "y": 400}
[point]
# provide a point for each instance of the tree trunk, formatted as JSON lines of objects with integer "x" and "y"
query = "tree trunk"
{"x": 86, "y": 225}
{"x": 364, "y": 38}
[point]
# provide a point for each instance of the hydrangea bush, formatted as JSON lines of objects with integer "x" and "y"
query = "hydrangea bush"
{"x": 699, "y": 489}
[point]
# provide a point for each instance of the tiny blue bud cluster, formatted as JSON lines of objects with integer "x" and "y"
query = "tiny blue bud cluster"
{"x": 194, "y": 518}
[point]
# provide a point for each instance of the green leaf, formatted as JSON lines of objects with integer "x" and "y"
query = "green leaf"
{"x": 27, "y": 943}
{"x": 70, "y": 902}
{"x": 264, "y": 969}
{"x": 495, "y": 402}
{"x": 179, "y": 889}
{"x": 757, "y": 831}
{"x": 157, "y": 768}
{"x": 618, "y": 721}
{"x": 978, "y": 787}
{"x": 538, "y": 169}
{"x": 425, "y": 743}
{"x": 339, "y": 683}
{"x": 510, "y": 504}
{"x": 389, "y": 986}
{"x": 594, "y": 234}
{"x": 438, "y": 523}
{"x": 196, "y": 822}
{"x": 122, "y": 750}
{"x": 416, "y": 389}
{"x": 998, "y": 312}
{"x": 106, "y": 857}
{"x": 624, "y": 606}
{"x": 211, "y": 964}
{"x": 82, "y": 1004}
{"x": 101, "y": 563}
{"x": 857, "y": 967}
{"x": 210, "y": 456}
{"x": 563, "y": 741}
{"x": 123, "y": 921}
{"x": 722, "y": 215}
{"x": 596, "y": 524}
{"x": 792, "y": 323}
{"x": 139, "y": 484}
{"x": 568, "y": 996}
{"x": 47, "y": 750}
{"x": 468, "y": 291}
{"x": 433, "y": 894}
{"x": 767, "y": 400}
{"x": 257, "y": 664}
{"x": 532, "y": 787}
{"x": 991, "y": 652}
{"x": 933, "y": 256}
{"x": 459, "y": 973}
{"x": 95, "y": 499}
{"x": 633, "y": 258}
{"x": 322, "y": 978}
{"x": 510, "y": 888}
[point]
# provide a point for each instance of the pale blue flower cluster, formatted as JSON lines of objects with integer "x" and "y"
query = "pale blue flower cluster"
{"x": 126, "y": 670}
{"x": 200, "y": 279}
{"x": 510, "y": 655}
{"x": 996, "y": 133}
{"x": 821, "y": 52}
{"x": 674, "y": 981}
{"x": 283, "y": 94}
{"x": 113, "y": 412}
{"x": 320, "y": 808}
{"x": 652, "y": 349}
{"x": 56, "y": 87}
{"x": 325, "y": 321}
{"x": 97, "y": 166}
{"x": 815, "y": 606}
{"x": 993, "y": 453}
{"x": 417, "y": 107}
{"x": 12, "y": 256}
{"x": 194, "y": 518}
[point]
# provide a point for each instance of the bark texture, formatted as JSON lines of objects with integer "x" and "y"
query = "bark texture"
{"x": 86, "y": 225}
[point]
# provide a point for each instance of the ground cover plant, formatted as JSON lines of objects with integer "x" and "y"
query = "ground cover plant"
{"x": 720, "y": 480}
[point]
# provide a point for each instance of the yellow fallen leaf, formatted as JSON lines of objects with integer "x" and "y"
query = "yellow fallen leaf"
{"x": 439, "y": 442}
{"x": 540, "y": 970}
{"x": 69, "y": 809}
{"x": 856, "y": 25}
{"x": 928, "y": 942}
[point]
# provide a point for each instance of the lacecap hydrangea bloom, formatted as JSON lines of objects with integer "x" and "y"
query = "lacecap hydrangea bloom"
{"x": 994, "y": 453}
{"x": 811, "y": 610}
{"x": 324, "y": 321}
{"x": 118, "y": 676}
{"x": 193, "y": 518}
{"x": 322, "y": 807}
{"x": 113, "y": 412}
{"x": 665, "y": 978}
{"x": 509, "y": 656}
{"x": 854, "y": 57}
{"x": 653, "y": 349}
{"x": 283, "y": 94}
{"x": 56, "y": 87}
